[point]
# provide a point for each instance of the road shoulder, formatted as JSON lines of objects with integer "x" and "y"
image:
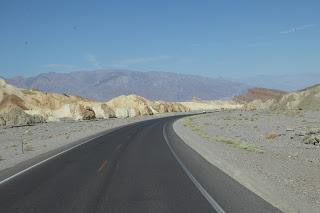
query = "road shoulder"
{"x": 227, "y": 192}
{"x": 230, "y": 160}
{"x": 266, "y": 151}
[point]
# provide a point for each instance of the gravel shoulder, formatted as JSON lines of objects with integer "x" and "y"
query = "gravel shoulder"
{"x": 46, "y": 137}
{"x": 265, "y": 151}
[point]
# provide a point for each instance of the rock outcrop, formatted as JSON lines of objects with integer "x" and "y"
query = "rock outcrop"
{"x": 17, "y": 117}
{"x": 87, "y": 113}
{"x": 134, "y": 105}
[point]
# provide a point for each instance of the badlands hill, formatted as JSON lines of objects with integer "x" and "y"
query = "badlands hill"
{"x": 306, "y": 99}
{"x": 259, "y": 94}
{"x": 36, "y": 105}
{"x": 106, "y": 84}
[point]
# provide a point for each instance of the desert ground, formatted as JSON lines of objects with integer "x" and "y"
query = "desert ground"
{"x": 273, "y": 153}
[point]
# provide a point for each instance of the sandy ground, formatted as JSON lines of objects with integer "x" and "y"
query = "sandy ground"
{"x": 262, "y": 150}
{"x": 43, "y": 138}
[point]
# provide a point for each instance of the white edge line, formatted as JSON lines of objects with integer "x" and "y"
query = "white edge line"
{"x": 45, "y": 160}
{"x": 213, "y": 203}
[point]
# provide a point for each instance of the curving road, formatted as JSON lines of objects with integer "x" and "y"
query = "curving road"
{"x": 144, "y": 167}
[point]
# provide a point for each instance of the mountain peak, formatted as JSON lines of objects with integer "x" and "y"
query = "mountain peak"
{"x": 106, "y": 84}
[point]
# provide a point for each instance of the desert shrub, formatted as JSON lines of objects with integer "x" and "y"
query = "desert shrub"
{"x": 271, "y": 136}
{"x": 238, "y": 144}
{"x": 28, "y": 148}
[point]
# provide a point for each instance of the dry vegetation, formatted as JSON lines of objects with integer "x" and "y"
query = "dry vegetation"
{"x": 240, "y": 144}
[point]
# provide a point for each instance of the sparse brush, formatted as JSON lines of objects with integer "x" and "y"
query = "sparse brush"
{"x": 189, "y": 123}
{"x": 235, "y": 143}
{"x": 271, "y": 136}
{"x": 28, "y": 148}
{"x": 238, "y": 144}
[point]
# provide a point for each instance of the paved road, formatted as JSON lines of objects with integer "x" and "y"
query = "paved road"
{"x": 131, "y": 169}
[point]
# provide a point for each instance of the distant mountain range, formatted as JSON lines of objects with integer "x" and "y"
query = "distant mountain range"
{"x": 106, "y": 84}
{"x": 287, "y": 82}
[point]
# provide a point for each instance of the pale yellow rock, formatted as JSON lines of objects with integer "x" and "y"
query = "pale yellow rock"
{"x": 54, "y": 106}
{"x": 141, "y": 105}
{"x": 211, "y": 105}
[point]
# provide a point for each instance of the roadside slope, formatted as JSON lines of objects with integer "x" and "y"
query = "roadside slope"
{"x": 264, "y": 152}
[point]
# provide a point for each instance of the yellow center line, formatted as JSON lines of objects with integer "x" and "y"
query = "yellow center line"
{"x": 103, "y": 165}
{"x": 119, "y": 146}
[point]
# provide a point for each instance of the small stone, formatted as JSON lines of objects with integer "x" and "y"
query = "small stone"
{"x": 289, "y": 130}
{"x": 2, "y": 121}
{"x": 300, "y": 134}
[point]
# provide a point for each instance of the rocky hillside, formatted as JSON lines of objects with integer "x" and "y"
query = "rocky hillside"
{"x": 259, "y": 94}
{"x": 33, "y": 105}
{"x": 123, "y": 106}
{"x": 103, "y": 85}
{"x": 306, "y": 99}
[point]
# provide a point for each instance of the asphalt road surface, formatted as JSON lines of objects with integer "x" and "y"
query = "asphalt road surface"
{"x": 144, "y": 167}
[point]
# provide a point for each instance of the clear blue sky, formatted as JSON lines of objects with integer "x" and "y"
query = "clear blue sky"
{"x": 208, "y": 37}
